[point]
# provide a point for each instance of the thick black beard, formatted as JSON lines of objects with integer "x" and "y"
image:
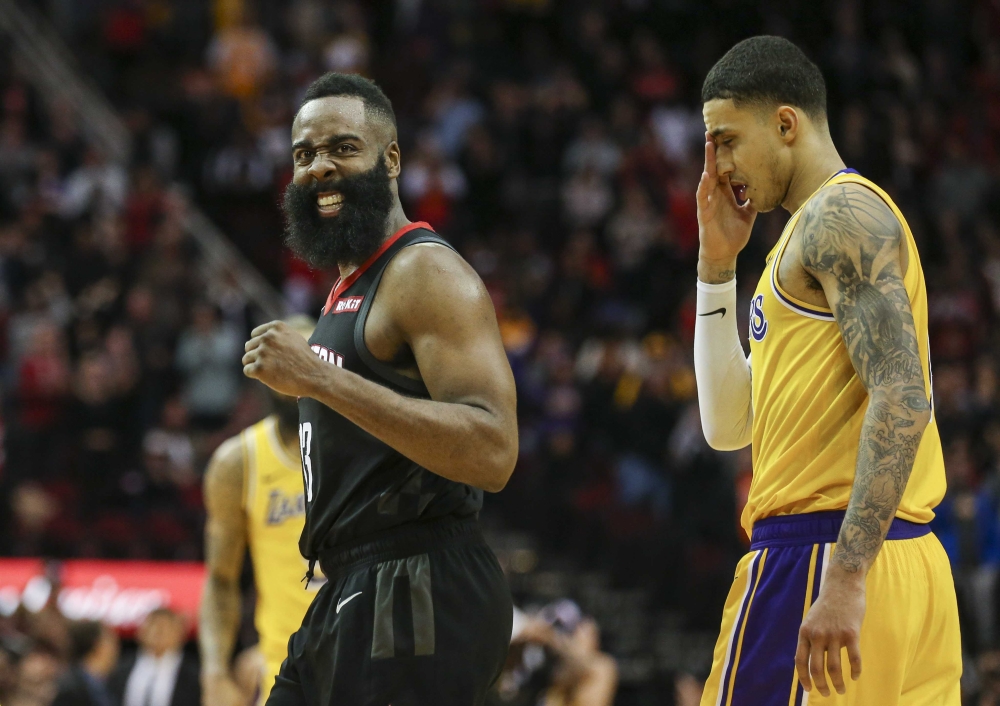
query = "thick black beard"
{"x": 351, "y": 236}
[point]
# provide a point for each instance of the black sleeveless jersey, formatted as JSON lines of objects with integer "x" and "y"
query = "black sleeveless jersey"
{"x": 355, "y": 485}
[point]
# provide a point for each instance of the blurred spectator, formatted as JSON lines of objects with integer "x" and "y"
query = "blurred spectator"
{"x": 12, "y": 651}
{"x": 968, "y": 524}
{"x": 38, "y": 671}
{"x": 587, "y": 198}
{"x": 593, "y": 149}
{"x": 97, "y": 184}
{"x": 143, "y": 208}
{"x": 432, "y": 184}
{"x": 653, "y": 80}
{"x": 242, "y": 56}
{"x": 453, "y": 110}
{"x": 171, "y": 440}
{"x": 32, "y": 510}
{"x": 100, "y": 419}
{"x": 555, "y": 658}
{"x": 988, "y": 674}
{"x": 93, "y": 653}
{"x": 43, "y": 385}
{"x": 633, "y": 230}
{"x": 208, "y": 355}
{"x": 348, "y": 52}
{"x": 160, "y": 674}
{"x": 961, "y": 184}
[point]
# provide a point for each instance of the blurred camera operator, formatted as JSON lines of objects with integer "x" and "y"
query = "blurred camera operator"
{"x": 555, "y": 660}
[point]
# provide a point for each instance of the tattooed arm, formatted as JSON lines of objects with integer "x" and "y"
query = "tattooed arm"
{"x": 225, "y": 545}
{"x": 850, "y": 247}
{"x": 851, "y": 244}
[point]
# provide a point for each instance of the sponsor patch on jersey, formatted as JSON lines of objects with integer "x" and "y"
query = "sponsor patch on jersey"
{"x": 331, "y": 357}
{"x": 346, "y": 305}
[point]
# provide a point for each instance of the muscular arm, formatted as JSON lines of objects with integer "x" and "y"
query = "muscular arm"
{"x": 439, "y": 308}
{"x": 851, "y": 244}
{"x": 225, "y": 544}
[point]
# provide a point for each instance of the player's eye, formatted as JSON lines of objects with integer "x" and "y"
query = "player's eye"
{"x": 304, "y": 157}
{"x": 346, "y": 148}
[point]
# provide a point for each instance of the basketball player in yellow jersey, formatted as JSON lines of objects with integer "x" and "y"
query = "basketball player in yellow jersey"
{"x": 254, "y": 496}
{"x": 844, "y": 575}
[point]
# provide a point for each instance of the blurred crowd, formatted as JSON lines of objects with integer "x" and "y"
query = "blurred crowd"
{"x": 120, "y": 361}
{"x": 50, "y": 660}
{"x": 557, "y": 145}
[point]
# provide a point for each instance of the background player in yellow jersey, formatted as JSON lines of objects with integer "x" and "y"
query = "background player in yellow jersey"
{"x": 836, "y": 401}
{"x": 254, "y": 496}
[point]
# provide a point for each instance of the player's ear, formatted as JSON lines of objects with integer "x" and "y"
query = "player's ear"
{"x": 392, "y": 160}
{"x": 787, "y": 123}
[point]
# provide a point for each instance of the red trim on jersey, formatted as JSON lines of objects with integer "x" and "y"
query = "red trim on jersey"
{"x": 341, "y": 286}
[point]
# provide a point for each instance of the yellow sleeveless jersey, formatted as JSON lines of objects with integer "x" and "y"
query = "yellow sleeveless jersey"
{"x": 809, "y": 404}
{"x": 275, "y": 510}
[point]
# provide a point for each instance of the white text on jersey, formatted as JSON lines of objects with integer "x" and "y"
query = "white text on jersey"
{"x": 324, "y": 353}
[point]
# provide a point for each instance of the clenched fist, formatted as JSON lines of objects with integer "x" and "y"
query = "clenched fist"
{"x": 280, "y": 357}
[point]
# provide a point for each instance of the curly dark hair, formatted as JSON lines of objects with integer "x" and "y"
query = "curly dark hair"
{"x": 768, "y": 71}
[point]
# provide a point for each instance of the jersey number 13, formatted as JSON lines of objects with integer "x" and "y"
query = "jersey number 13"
{"x": 305, "y": 446}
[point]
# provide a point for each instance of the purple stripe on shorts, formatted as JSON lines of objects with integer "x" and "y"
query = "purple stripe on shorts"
{"x": 751, "y": 580}
{"x": 817, "y": 580}
{"x": 766, "y": 670}
{"x": 767, "y": 659}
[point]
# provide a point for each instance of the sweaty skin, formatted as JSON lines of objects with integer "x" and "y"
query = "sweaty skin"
{"x": 432, "y": 318}
{"x": 847, "y": 253}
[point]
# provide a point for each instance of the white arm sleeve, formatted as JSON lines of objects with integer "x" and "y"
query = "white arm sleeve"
{"x": 723, "y": 373}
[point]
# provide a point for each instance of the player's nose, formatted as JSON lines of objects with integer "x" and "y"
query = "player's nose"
{"x": 322, "y": 168}
{"x": 724, "y": 166}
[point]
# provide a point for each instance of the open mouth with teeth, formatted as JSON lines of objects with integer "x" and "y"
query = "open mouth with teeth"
{"x": 740, "y": 192}
{"x": 329, "y": 204}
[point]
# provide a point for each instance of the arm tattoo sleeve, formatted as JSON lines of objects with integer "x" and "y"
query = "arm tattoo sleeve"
{"x": 850, "y": 244}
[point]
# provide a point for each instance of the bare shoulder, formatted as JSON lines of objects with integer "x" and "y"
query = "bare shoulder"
{"x": 845, "y": 218}
{"x": 224, "y": 475}
{"x": 429, "y": 277}
{"x": 428, "y": 264}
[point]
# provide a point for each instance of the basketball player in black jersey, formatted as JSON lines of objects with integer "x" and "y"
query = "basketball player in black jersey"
{"x": 406, "y": 415}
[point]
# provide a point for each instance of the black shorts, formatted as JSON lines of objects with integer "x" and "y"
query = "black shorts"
{"x": 418, "y": 617}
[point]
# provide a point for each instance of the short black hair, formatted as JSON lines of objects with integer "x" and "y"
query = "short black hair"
{"x": 767, "y": 70}
{"x": 376, "y": 103}
{"x": 83, "y": 638}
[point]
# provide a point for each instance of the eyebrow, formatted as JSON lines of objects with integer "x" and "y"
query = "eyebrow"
{"x": 343, "y": 137}
{"x": 719, "y": 131}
